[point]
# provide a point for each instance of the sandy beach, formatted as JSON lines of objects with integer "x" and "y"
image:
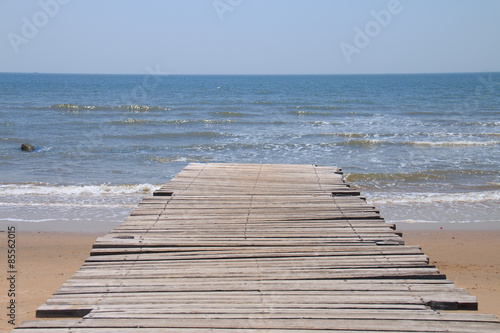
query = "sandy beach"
{"x": 45, "y": 260}
{"x": 469, "y": 258}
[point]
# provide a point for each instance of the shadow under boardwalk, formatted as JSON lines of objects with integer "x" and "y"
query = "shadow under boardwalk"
{"x": 257, "y": 248}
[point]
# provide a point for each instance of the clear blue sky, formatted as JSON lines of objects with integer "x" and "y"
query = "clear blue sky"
{"x": 249, "y": 36}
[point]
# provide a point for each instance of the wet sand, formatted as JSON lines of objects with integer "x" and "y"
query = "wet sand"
{"x": 45, "y": 260}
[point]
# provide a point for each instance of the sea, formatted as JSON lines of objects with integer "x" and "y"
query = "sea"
{"x": 423, "y": 148}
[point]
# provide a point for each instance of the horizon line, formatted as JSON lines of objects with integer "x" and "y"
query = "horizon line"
{"x": 248, "y": 74}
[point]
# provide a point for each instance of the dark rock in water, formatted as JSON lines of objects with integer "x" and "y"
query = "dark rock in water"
{"x": 27, "y": 147}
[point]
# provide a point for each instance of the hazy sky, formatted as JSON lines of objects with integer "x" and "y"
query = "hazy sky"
{"x": 249, "y": 36}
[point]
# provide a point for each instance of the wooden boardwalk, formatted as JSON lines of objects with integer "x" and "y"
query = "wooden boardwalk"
{"x": 257, "y": 248}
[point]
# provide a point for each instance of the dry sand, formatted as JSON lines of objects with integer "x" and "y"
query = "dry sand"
{"x": 471, "y": 259}
{"x": 45, "y": 260}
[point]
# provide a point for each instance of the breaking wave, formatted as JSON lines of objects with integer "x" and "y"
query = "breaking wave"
{"x": 453, "y": 143}
{"x": 75, "y": 190}
{"x": 306, "y": 113}
{"x": 364, "y": 142}
{"x": 201, "y": 134}
{"x": 429, "y": 198}
{"x": 131, "y": 108}
{"x": 416, "y": 176}
{"x": 186, "y": 159}
{"x": 132, "y": 121}
{"x": 229, "y": 114}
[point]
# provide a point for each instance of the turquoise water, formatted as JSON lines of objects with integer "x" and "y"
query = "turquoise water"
{"x": 428, "y": 141}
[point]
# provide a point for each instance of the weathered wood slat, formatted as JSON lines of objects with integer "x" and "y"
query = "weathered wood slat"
{"x": 283, "y": 324}
{"x": 257, "y": 248}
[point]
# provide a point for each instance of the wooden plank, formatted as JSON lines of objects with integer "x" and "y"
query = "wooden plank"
{"x": 257, "y": 248}
{"x": 283, "y": 324}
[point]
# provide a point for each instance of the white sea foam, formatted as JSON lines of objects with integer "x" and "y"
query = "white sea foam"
{"x": 454, "y": 143}
{"x": 430, "y": 198}
{"x": 76, "y": 190}
{"x": 68, "y": 204}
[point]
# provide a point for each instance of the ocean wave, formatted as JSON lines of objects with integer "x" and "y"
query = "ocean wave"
{"x": 363, "y": 143}
{"x": 174, "y": 159}
{"x": 435, "y": 198}
{"x": 140, "y": 108}
{"x": 73, "y": 107}
{"x": 319, "y": 107}
{"x": 134, "y": 108}
{"x": 452, "y": 143}
{"x": 75, "y": 190}
{"x": 229, "y": 114}
{"x": 196, "y": 134}
{"x": 264, "y": 102}
{"x": 213, "y": 121}
{"x": 322, "y": 123}
{"x": 418, "y": 113}
{"x": 403, "y": 136}
{"x": 309, "y": 113}
{"x": 72, "y": 204}
{"x": 221, "y": 147}
{"x": 390, "y": 177}
{"x": 364, "y": 140}
{"x": 449, "y": 134}
{"x": 131, "y": 121}
{"x": 323, "y": 146}
{"x": 479, "y": 123}
{"x": 417, "y": 176}
{"x": 345, "y": 135}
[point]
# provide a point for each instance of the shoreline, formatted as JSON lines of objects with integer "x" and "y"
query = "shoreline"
{"x": 477, "y": 226}
{"x": 469, "y": 258}
{"x": 64, "y": 227}
{"x": 103, "y": 227}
